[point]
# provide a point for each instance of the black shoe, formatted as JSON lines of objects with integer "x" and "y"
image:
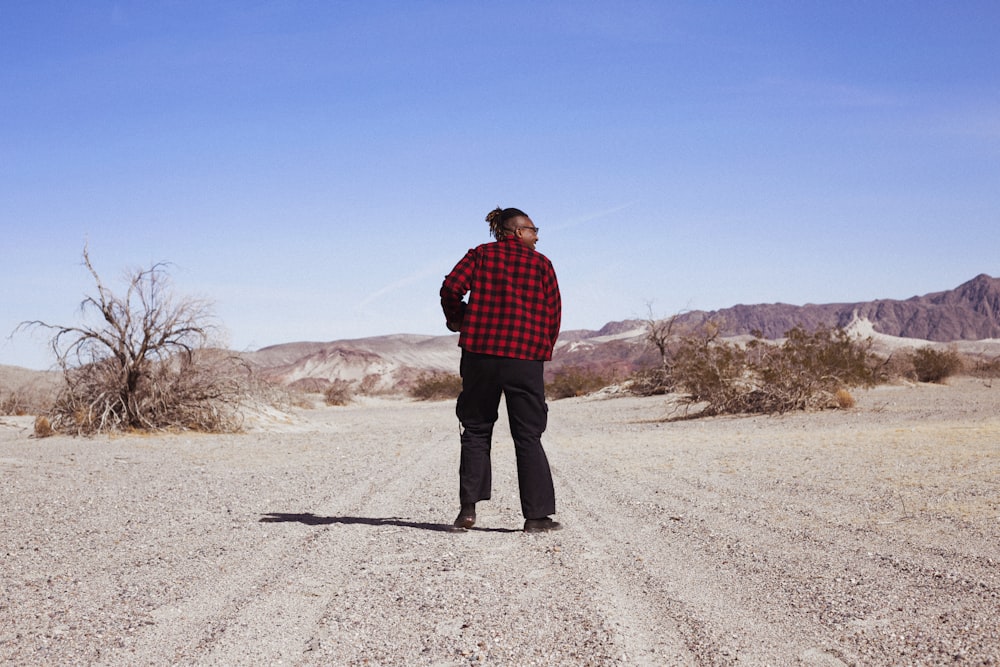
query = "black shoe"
{"x": 466, "y": 518}
{"x": 541, "y": 525}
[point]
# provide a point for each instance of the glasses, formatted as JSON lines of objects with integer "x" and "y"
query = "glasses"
{"x": 533, "y": 229}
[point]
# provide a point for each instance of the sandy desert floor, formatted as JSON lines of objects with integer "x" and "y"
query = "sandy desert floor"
{"x": 868, "y": 536}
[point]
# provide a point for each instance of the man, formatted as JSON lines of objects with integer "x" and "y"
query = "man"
{"x": 508, "y": 329}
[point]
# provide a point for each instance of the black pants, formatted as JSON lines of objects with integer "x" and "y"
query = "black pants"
{"x": 484, "y": 378}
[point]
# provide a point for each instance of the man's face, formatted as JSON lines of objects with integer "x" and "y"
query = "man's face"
{"x": 525, "y": 231}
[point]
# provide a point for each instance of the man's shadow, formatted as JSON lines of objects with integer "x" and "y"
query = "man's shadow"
{"x": 310, "y": 519}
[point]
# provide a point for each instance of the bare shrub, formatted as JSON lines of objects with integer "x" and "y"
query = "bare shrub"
{"x": 340, "y": 392}
{"x": 43, "y": 428}
{"x": 649, "y": 382}
{"x": 984, "y": 368}
{"x": 803, "y": 372}
{"x": 844, "y": 399}
{"x": 271, "y": 393}
{"x": 187, "y": 391}
{"x": 436, "y": 386}
{"x": 576, "y": 381}
{"x": 808, "y": 368}
{"x": 659, "y": 334}
{"x": 26, "y": 400}
{"x": 143, "y": 362}
{"x": 715, "y": 372}
{"x": 665, "y": 336}
{"x": 933, "y": 365}
{"x": 296, "y": 399}
{"x": 897, "y": 366}
{"x": 369, "y": 385}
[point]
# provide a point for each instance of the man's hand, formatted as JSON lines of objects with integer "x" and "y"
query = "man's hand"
{"x": 454, "y": 326}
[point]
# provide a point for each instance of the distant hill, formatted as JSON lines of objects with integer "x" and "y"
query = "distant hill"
{"x": 390, "y": 361}
{"x": 970, "y": 312}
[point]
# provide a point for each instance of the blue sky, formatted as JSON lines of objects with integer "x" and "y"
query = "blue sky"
{"x": 316, "y": 168}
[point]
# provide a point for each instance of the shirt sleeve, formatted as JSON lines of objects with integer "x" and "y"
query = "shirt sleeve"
{"x": 455, "y": 286}
{"x": 554, "y": 299}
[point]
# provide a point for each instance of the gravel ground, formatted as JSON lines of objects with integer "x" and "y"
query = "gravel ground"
{"x": 868, "y": 536}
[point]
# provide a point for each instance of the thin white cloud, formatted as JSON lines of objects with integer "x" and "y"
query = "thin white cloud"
{"x": 591, "y": 217}
{"x": 426, "y": 272}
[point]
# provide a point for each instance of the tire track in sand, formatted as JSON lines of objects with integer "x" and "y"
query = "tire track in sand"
{"x": 667, "y": 601}
{"x": 272, "y": 597}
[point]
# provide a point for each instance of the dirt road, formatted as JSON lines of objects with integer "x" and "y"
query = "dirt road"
{"x": 862, "y": 537}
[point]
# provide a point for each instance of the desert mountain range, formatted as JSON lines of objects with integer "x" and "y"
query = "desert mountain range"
{"x": 967, "y": 316}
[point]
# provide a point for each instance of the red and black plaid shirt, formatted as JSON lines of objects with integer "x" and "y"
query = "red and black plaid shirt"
{"x": 514, "y": 307}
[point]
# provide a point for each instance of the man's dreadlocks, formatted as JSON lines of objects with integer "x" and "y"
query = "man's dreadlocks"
{"x": 498, "y": 219}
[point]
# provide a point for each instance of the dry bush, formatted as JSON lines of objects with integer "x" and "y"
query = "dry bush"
{"x": 983, "y": 368}
{"x": 660, "y": 334}
{"x": 804, "y": 372}
{"x": 933, "y": 365}
{"x": 340, "y": 392}
{"x": 186, "y": 392}
{"x": 807, "y": 369}
{"x": 715, "y": 373}
{"x": 26, "y": 400}
{"x": 369, "y": 385}
{"x": 12, "y": 402}
{"x": 143, "y": 362}
{"x": 650, "y": 382}
{"x": 666, "y": 336}
{"x": 436, "y": 386}
{"x": 43, "y": 428}
{"x": 576, "y": 381}
{"x": 269, "y": 392}
{"x": 306, "y": 385}
{"x": 896, "y": 367}
{"x": 928, "y": 364}
{"x": 844, "y": 399}
{"x": 295, "y": 399}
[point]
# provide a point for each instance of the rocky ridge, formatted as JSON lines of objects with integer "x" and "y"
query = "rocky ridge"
{"x": 969, "y": 314}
